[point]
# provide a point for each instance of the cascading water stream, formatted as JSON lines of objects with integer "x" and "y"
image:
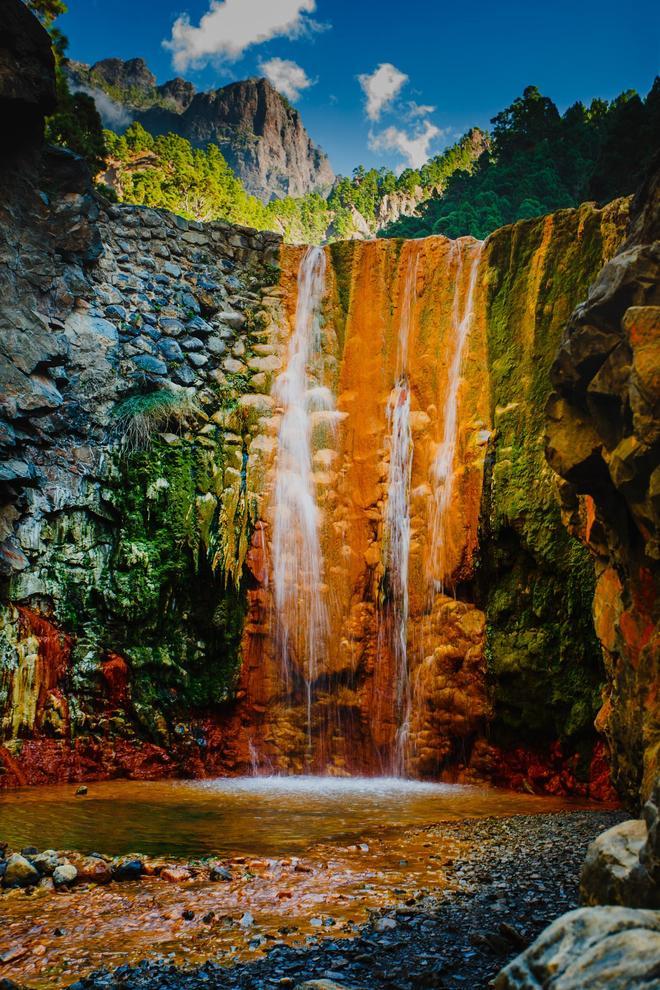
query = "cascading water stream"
{"x": 397, "y": 517}
{"x": 442, "y": 470}
{"x": 301, "y": 619}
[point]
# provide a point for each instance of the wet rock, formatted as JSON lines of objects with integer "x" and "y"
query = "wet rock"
{"x": 127, "y": 869}
{"x": 175, "y": 874}
{"x": 19, "y": 872}
{"x": 92, "y": 869}
{"x": 81, "y": 791}
{"x": 220, "y": 873}
{"x": 65, "y": 875}
{"x": 46, "y": 862}
{"x": 602, "y": 948}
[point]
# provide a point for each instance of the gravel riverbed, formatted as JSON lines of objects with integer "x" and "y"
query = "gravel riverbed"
{"x": 521, "y": 873}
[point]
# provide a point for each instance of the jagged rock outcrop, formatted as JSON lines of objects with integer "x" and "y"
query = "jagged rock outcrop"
{"x": 258, "y": 131}
{"x": 603, "y": 438}
{"x": 599, "y": 948}
{"x": 131, "y": 83}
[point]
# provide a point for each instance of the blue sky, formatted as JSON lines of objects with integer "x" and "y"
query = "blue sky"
{"x": 445, "y": 66}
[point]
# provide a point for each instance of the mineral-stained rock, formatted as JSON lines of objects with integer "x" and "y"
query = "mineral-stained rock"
{"x": 603, "y": 438}
{"x": 175, "y": 874}
{"x": 600, "y": 948}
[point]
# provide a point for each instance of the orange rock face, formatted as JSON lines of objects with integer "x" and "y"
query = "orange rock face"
{"x": 375, "y": 292}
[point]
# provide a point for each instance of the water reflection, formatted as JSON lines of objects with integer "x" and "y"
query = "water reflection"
{"x": 263, "y": 816}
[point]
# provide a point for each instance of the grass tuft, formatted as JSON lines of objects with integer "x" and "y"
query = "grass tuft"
{"x": 166, "y": 410}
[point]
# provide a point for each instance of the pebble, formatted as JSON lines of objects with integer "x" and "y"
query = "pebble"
{"x": 447, "y": 940}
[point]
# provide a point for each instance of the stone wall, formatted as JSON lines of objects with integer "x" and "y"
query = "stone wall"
{"x": 126, "y": 335}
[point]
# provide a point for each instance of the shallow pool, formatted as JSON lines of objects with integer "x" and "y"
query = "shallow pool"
{"x": 267, "y": 816}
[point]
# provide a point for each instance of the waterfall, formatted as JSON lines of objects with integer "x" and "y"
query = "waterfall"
{"x": 397, "y": 516}
{"x": 301, "y": 618}
{"x": 442, "y": 470}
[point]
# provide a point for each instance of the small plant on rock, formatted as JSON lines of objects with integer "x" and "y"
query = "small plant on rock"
{"x": 164, "y": 410}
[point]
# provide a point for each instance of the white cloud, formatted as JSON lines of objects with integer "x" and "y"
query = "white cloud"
{"x": 381, "y": 87}
{"x": 414, "y": 147}
{"x": 230, "y": 26}
{"x": 113, "y": 115}
{"x": 287, "y": 77}
{"x": 419, "y": 109}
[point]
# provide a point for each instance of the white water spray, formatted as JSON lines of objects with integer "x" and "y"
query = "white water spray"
{"x": 442, "y": 470}
{"x": 301, "y": 616}
{"x": 397, "y": 515}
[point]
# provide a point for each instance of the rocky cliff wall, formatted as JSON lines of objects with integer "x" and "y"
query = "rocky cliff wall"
{"x": 160, "y": 430}
{"x": 603, "y": 440}
{"x": 142, "y": 419}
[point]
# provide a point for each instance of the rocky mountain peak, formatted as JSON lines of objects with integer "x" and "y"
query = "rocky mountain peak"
{"x": 124, "y": 75}
{"x": 259, "y": 132}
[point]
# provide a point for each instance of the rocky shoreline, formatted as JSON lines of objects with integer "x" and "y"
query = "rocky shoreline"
{"x": 512, "y": 877}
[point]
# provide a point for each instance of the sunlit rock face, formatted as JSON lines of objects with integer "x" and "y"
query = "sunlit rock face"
{"x": 436, "y": 356}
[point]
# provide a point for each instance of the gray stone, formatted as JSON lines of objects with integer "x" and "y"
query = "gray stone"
{"x": 183, "y": 375}
{"x": 231, "y": 318}
{"x": 171, "y": 326}
{"x": 15, "y": 470}
{"x": 171, "y": 269}
{"x": 198, "y": 325}
{"x": 150, "y": 364}
{"x": 189, "y": 302}
{"x": 192, "y": 344}
{"x": 65, "y": 875}
{"x": 170, "y": 350}
{"x": 601, "y": 948}
{"x": 46, "y": 862}
{"x": 612, "y": 873}
{"x": 649, "y": 856}
{"x": 198, "y": 360}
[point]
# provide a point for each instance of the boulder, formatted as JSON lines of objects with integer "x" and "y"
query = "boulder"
{"x": 19, "y": 872}
{"x": 127, "y": 868}
{"x": 175, "y": 874}
{"x": 602, "y": 948}
{"x": 649, "y": 855}
{"x": 621, "y": 865}
{"x": 65, "y": 875}
{"x": 92, "y": 869}
{"x": 46, "y": 862}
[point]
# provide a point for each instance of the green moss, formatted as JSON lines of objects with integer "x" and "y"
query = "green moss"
{"x": 536, "y": 580}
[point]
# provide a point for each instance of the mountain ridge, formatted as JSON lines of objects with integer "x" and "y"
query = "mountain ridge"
{"x": 259, "y": 132}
